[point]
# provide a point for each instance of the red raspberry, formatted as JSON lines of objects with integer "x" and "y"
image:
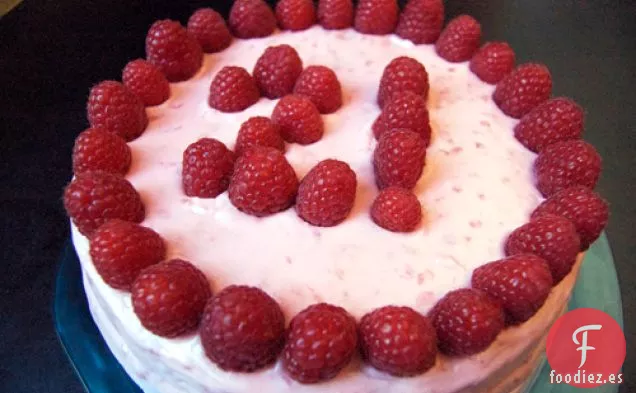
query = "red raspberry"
{"x": 459, "y": 40}
{"x": 233, "y": 90}
{"x": 376, "y": 17}
{"x": 321, "y": 341}
{"x": 207, "y": 168}
{"x": 263, "y": 182}
{"x": 93, "y": 198}
{"x": 401, "y": 75}
{"x": 169, "y": 298}
{"x": 398, "y": 341}
{"x": 396, "y": 209}
{"x": 295, "y": 15}
{"x": 335, "y": 14}
{"x": 552, "y": 238}
{"x": 327, "y": 193}
{"x": 523, "y": 89}
{"x": 121, "y": 250}
{"x": 99, "y": 150}
{"x": 565, "y": 164}
{"x": 407, "y": 110}
{"x": 467, "y": 321}
{"x": 259, "y": 131}
{"x": 251, "y": 19}
{"x": 146, "y": 81}
{"x": 277, "y": 70}
{"x": 242, "y": 329}
{"x": 209, "y": 29}
{"x": 115, "y": 108}
{"x": 421, "y": 21}
{"x": 320, "y": 84}
{"x": 521, "y": 283}
{"x": 493, "y": 61}
{"x": 298, "y": 119}
{"x": 398, "y": 159}
{"x": 585, "y": 208}
{"x": 171, "y": 49}
{"x": 558, "y": 119}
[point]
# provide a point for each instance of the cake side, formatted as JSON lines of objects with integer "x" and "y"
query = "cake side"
{"x": 162, "y": 365}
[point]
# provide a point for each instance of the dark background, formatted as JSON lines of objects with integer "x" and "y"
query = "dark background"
{"x": 51, "y": 52}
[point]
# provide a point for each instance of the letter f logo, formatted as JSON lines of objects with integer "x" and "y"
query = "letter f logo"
{"x": 583, "y": 344}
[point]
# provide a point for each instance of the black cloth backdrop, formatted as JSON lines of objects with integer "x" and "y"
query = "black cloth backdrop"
{"x": 51, "y": 52}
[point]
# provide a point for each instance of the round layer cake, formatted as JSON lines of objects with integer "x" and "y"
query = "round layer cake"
{"x": 479, "y": 184}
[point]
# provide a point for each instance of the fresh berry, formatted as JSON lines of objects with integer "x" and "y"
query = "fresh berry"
{"x": 251, "y": 19}
{"x": 171, "y": 49}
{"x": 556, "y": 120}
{"x": 263, "y": 182}
{"x": 398, "y": 341}
{"x": 209, "y": 29}
{"x": 565, "y": 164}
{"x": 277, "y": 70}
{"x": 521, "y": 283}
{"x": 376, "y": 17}
{"x": 467, "y": 321}
{"x": 459, "y": 40}
{"x": 320, "y": 84}
{"x": 207, "y": 168}
{"x": 326, "y": 194}
{"x": 112, "y": 106}
{"x": 321, "y": 341}
{"x": 259, "y": 131}
{"x": 169, "y": 298}
{"x": 398, "y": 159}
{"x": 396, "y": 209}
{"x": 120, "y": 250}
{"x": 552, "y": 238}
{"x": 407, "y": 110}
{"x": 493, "y": 61}
{"x": 298, "y": 119}
{"x": 233, "y": 90}
{"x": 523, "y": 89}
{"x": 242, "y": 329}
{"x": 335, "y": 14}
{"x": 146, "y": 81}
{"x": 421, "y": 21}
{"x": 401, "y": 75}
{"x": 295, "y": 15}
{"x": 585, "y": 208}
{"x": 99, "y": 150}
{"x": 93, "y": 198}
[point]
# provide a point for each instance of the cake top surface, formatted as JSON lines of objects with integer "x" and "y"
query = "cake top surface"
{"x": 477, "y": 184}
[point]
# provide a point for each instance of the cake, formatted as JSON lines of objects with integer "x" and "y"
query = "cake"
{"x": 362, "y": 201}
